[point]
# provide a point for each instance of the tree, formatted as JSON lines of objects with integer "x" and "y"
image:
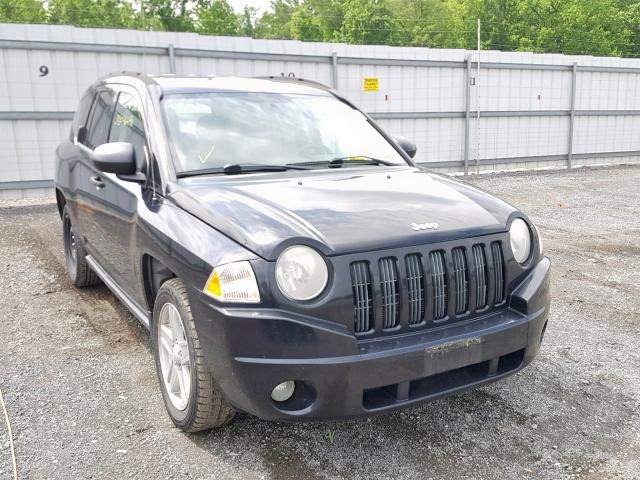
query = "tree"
{"x": 246, "y": 27}
{"x": 216, "y": 17}
{"x": 277, "y": 22}
{"x": 630, "y": 19}
{"x": 304, "y": 25}
{"x": 498, "y": 19}
{"x": 596, "y": 27}
{"x": 430, "y": 23}
{"x": 92, "y": 13}
{"x": 22, "y": 11}
{"x": 366, "y": 21}
{"x": 170, "y": 15}
{"x": 593, "y": 27}
{"x": 328, "y": 16}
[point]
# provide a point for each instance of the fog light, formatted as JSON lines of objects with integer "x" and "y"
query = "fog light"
{"x": 283, "y": 391}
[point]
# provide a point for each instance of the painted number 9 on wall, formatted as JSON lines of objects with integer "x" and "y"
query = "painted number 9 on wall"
{"x": 370, "y": 84}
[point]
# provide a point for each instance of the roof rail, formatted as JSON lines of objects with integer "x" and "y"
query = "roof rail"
{"x": 280, "y": 78}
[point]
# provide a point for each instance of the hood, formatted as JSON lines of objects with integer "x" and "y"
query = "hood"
{"x": 340, "y": 211}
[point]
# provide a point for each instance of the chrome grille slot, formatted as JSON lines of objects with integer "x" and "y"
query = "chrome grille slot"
{"x": 439, "y": 281}
{"x": 390, "y": 292}
{"x": 480, "y": 267}
{"x": 498, "y": 271}
{"x": 362, "y": 296}
{"x": 415, "y": 288}
{"x": 460, "y": 277}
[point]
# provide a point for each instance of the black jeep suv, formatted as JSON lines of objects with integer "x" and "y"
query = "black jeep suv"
{"x": 289, "y": 258}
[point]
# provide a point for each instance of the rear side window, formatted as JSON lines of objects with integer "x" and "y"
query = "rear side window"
{"x": 100, "y": 119}
{"x": 128, "y": 126}
{"x": 80, "y": 117}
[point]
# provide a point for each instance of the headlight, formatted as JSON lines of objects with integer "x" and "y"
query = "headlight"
{"x": 233, "y": 282}
{"x": 301, "y": 273}
{"x": 520, "y": 240}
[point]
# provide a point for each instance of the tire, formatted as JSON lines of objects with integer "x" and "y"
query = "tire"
{"x": 79, "y": 270}
{"x": 190, "y": 395}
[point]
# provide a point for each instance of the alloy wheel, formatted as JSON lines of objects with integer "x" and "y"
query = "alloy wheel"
{"x": 73, "y": 252}
{"x": 175, "y": 361}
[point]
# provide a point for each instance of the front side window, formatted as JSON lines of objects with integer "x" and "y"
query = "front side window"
{"x": 128, "y": 126}
{"x": 215, "y": 129}
{"x": 100, "y": 119}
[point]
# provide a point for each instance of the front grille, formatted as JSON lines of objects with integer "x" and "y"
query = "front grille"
{"x": 498, "y": 271}
{"x": 415, "y": 288}
{"x": 440, "y": 287}
{"x": 362, "y": 296}
{"x": 480, "y": 267}
{"x": 390, "y": 292}
{"x": 460, "y": 277}
{"x": 421, "y": 288}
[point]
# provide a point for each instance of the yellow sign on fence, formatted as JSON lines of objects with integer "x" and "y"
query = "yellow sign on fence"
{"x": 370, "y": 84}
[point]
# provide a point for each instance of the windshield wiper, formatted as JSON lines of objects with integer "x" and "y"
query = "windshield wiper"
{"x": 360, "y": 159}
{"x": 236, "y": 168}
{"x": 340, "y": 161}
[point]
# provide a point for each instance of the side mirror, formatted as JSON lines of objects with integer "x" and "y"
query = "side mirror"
{"x": 407, "y": 145}
{"x": 81, "y": 135}
{"x": 116, "y": 157}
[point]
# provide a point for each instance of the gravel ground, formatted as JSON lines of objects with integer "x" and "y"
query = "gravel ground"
{"x": 78, "y": 377}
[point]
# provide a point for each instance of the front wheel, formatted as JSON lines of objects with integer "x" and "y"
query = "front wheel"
{"x": 193, "y": 401}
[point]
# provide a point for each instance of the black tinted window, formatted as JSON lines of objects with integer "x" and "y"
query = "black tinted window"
{"x": 128, "y": 126}
{"x": 80, "y": 117}
{"x": 100, "y": 119}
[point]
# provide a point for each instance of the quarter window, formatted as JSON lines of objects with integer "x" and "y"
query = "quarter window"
{"x": 127, "y": 126}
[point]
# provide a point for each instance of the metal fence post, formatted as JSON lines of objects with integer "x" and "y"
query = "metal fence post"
{"x": 574, "y": 73}
{"x": 334, "y": 70}
{"x": 467, "y": 116}
{"x": 172, "y": 59}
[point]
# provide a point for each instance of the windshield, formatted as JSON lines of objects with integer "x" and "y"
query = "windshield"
{"x": 212, "y": 130}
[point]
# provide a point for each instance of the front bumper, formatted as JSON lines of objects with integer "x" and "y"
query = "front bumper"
{"x": 251, "y": 351}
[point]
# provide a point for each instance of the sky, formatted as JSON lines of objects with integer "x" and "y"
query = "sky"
{"x": 261, "y": 5}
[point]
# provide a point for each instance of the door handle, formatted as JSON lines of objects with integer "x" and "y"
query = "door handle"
{"x": 97, "y": 181}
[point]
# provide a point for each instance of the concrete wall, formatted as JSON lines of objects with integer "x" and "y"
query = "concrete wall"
{"x": 536, "y": 110}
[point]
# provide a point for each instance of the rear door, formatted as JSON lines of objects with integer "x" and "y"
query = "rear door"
{"x": 72, "y": 156}
{"x": 86, "y": 178}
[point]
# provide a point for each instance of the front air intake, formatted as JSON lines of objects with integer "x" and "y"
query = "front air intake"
{"x": 390, "y": 292}
{"x": 415, "y": 288}
{"x": 480, "y": 267}
{"x": 362, "y": 296}
{"x": 439, "y": 281}
{"x": 460, "y": 277}
{"x": 498, "y": 272}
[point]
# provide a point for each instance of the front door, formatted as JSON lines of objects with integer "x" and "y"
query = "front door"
{"x": 116, "y": 223}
